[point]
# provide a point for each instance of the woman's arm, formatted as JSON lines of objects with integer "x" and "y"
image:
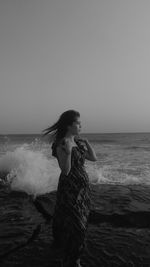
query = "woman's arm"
{"x": 90, "y": 153}
{"x": 64, "y": 157}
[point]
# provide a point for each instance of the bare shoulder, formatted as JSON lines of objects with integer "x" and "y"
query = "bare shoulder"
{"x": 61, "y": 146}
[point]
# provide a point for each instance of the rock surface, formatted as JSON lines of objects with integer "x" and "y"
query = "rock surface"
{"x": 118, "y": 232}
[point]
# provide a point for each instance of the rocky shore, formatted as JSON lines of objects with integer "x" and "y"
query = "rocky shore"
{"x": 118, "y": 233}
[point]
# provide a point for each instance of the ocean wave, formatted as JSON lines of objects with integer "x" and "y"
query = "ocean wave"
{"x": 29, "y": 171}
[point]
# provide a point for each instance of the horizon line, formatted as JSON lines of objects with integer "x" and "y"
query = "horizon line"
{"x": 5, "y": 134}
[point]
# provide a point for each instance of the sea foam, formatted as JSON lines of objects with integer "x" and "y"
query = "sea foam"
{"x": 30, "y": 171}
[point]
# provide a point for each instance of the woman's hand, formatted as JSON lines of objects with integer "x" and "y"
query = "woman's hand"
{"x": 90, "y": 153}
{"x": 83, "y": 140}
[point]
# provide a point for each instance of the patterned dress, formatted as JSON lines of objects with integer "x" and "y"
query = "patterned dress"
{"x": 72, "y": 208}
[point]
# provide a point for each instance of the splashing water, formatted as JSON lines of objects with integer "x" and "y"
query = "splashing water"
{"x": 30, "y": 171}
{"x": 108, "y": 174}
{"x": 30, "y": 168}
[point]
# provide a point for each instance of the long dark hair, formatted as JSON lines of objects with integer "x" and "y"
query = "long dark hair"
{"x": 59, "y": 129}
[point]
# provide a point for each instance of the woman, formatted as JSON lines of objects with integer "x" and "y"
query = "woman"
{"x": 72, "y": 203}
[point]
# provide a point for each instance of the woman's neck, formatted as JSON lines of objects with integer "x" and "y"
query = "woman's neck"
{"x": 70, "y": 137}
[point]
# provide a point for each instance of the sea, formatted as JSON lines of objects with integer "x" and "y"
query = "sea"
{"x": 28, "y": 171}
{"x": 26, "y": 162}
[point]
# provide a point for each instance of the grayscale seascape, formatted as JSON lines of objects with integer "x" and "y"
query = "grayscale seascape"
{"x": 119, "y": 222}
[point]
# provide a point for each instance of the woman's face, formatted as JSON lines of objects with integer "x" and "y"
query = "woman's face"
{"x": 75, "y": 128}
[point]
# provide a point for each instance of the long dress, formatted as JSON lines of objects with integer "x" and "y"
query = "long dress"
{"x": 72, "y": 208}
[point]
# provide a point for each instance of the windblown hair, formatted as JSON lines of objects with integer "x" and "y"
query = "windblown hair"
{"x": 59, "y": 129}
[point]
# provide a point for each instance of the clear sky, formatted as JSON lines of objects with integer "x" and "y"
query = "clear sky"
{"x": 88, "y": 55}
